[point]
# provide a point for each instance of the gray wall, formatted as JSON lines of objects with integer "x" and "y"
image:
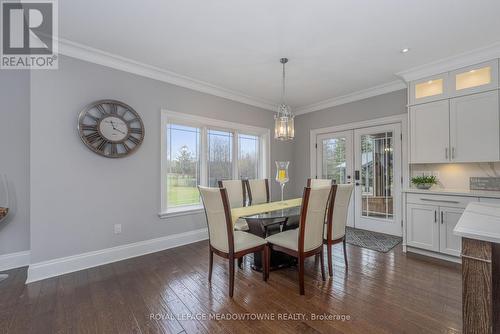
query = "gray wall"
{"x": 76, "y": 195}
{"x": 14, "y": 157}
{"x": 375, "y": 107}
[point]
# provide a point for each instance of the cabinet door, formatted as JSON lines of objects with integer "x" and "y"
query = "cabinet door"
{"x": 448, "y": 242}
{"x": 474, "y": 79}
{"x": 429, "y": 132}
{"x": 429, "y": 89}
{"x": 422, "y": 229}
{"x": 474, "y": 128}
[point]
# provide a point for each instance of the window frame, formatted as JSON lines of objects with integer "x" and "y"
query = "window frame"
{"x": 204, "y": 124}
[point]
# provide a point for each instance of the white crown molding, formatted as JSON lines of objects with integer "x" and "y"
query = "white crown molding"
{"x": 452, "y": 63}
{"x": 64, "y": 265}
{"x": 96, "y": 56}
{"x": 351, "y": 97}
{"x": 14, "y": 260}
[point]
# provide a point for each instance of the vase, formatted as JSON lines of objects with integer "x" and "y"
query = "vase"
{"x": 282, "y": 174}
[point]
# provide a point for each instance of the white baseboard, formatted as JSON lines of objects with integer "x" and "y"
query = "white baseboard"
{"x": 14, "y": 260}
{"x": 64, "y": 265}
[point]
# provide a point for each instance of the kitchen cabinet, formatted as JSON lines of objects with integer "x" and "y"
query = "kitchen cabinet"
{"x": 429, "y": 89}
{"x": 462, "y": 129}
{"x": 448, "y": 242}
{"x": 474, "y": 128}
{"x": 422, "y": 226}
{"x": 430, "y": 220}
{"x": 474, "y": 79}
{"x": 429, "y": 132}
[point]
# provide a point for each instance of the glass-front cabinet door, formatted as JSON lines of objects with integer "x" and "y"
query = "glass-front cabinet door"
{"x": 429, "y": 89}
{"x": 474, "y": 79}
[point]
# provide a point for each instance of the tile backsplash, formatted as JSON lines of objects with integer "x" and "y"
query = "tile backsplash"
{"x": 456, "y": 176}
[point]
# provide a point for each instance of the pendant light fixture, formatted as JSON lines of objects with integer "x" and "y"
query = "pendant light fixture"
{"x": 283, "y": 119}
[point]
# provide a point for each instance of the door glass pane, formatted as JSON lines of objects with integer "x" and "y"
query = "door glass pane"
{"x": 377, "y": 169}
{"x": 334, "y": 160}
{"x": 183, "y": 165}
{"x": 248, "y": 156}
{"x": 220, "y": 156}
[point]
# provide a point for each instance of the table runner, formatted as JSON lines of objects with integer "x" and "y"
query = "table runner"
{"x": 266, "y": 207}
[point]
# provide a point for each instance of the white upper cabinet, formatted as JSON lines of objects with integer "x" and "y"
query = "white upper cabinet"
{"x": 474, "y": 79}
{"x": 474, "y": 128}
{"x": 429, "y": 132}
{"x": 429, "y": 89}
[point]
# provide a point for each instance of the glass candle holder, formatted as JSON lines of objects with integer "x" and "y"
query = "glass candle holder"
{"x": 282, "y": 174}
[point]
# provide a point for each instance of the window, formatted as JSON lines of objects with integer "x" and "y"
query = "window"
{"x": 220, "y": 156}
{"x": 248, "y": 156}
{"x": 183, "y": 165}
{"x": 201, "y": 151}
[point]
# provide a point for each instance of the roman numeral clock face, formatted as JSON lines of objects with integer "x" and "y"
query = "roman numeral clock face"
{"x": 111, "y": 128}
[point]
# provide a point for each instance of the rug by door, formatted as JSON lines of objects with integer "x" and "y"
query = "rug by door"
{"x": 372, "y": 240}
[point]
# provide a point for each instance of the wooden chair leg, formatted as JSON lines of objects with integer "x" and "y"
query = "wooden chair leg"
{"x": 301, "y": 275}
{"x": 264, "y": 263}
{"x": 330, "y": 259}
{"x": 240, "y": 262}
{"x": 210, "y": 264}
{"x": 345, "y": 253}
{"x": 231, "y": 276}
{"x": 268, "y": 261}
{"x": 322, "y": 263}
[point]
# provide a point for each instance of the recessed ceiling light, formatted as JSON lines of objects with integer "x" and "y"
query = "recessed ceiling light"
{"x": 405, "y": 50}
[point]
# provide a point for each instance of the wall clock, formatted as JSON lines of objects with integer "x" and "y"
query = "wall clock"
{"x": 111, "y": 128}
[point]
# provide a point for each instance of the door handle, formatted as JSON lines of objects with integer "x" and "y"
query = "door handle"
{"x": 435, "y": 216}
{"x": 442, "y": 218}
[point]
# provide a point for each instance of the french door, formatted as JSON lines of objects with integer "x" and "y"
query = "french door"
{"x": 334, "y": 157}
{"x": 370, "y": 158}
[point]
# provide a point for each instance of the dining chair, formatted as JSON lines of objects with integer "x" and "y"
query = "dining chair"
{"x": 313, "y": 183}
{"x": 223, "y": 239}
{"x": 237, "y": 198}
{"x": 307, "y": 239}
{"x": 337, "y": 220}
{"x": 258, "y": 191}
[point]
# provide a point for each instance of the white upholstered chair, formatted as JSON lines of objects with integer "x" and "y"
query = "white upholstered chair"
{"x": 334, "y": 231}
{"x": 307, "y": 239}
{"x": 314, "y": 183}
{"x": 223, "y": 239}
{"x": 236, "y": 193}
{"x": 258, "y": 191}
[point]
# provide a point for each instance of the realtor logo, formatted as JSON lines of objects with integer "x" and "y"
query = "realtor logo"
{"x": 29, "y": 31}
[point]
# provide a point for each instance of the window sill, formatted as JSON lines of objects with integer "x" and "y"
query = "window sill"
{"x": 185, "y": 211}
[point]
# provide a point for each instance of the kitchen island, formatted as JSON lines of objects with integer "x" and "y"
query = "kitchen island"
{"x": 479, "y": 227}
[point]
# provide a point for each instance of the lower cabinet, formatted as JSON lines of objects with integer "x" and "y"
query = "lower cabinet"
{"x": 430, "y": 227}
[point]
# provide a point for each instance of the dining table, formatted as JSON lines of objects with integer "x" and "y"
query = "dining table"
{"x": 269, "y": 218}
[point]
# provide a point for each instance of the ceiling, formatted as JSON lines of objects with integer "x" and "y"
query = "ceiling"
{"x": 335, "y": 47}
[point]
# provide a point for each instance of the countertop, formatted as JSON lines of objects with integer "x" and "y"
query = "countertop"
{"x": 480, "y": 221}
{"x": 455, "y": 192}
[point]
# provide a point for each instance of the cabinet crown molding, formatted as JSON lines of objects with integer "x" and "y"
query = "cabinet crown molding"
{"x": 452, "y": 63}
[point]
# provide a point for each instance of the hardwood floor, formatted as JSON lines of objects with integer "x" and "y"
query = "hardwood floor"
{"x": 168, "y": 292}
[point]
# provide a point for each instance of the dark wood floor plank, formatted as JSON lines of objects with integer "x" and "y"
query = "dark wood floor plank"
{"x": 169, "y": 292}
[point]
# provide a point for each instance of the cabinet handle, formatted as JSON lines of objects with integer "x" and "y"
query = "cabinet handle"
{"x": 435, "y": 216}
{"x": 446, "y": 153}
{"x": 439, "y": 200}
{"x": 452, "y": 153}
{"x": 442, "y": 218}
